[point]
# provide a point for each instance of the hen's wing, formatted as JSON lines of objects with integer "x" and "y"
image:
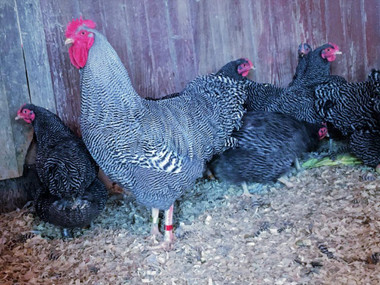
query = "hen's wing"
{"x": 66, "y": 169}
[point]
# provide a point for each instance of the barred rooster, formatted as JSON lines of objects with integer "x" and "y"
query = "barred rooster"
{"x": 268, "y": 145}
{"x": 70, "y": 194}
{"x": 156, "y": 148}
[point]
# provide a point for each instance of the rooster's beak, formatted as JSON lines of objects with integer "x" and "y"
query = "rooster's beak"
{"x": 69, "y": 41}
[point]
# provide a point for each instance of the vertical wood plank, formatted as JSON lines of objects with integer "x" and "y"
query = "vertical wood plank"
{"x": 36, "y": 59}
{"x": 8, "y": 164}
{"x": 65, "y": 78}
{"x": 15, "y": 136}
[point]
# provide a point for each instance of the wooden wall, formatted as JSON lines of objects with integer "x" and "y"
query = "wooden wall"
{"x": 166, "y": 43}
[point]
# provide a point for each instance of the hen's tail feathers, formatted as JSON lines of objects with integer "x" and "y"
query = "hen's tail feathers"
{"x": 72, "y": 213}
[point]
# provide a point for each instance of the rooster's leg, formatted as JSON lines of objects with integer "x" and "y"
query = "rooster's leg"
{"x": 245, "y": 190}
{"x": 155, "y": 231}
{"x": 169, "y": 236}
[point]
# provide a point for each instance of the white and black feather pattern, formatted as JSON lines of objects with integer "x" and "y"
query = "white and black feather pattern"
{"x": 69, "y": 194}
{"x": 268, "y": 144}
{"x": 349, "y": 106}
{"x": 63, "y": 163}
{"x": 296, "y": 100}
{"x": 72, "y": 212}
{"x": 365, "y": 144}
{"x": 156, "y": 148}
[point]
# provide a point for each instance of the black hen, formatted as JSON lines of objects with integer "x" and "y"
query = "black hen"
{"x": 268, "y": 144}
{"x": 70, "y": 194}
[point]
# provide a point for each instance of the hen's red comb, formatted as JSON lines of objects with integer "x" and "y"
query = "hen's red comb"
{"x": 76, "y": 23}
{"x": 334, "y": 45}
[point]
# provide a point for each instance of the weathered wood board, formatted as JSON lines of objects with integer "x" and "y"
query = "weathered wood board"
{"x": 14, "y": 137}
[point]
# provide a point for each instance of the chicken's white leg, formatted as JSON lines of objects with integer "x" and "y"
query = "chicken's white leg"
{"x": 155, "y": 231}
{"x": 169, "y": 236}
{"x": 245, "y": 190}
{"x": 297, "y": 164}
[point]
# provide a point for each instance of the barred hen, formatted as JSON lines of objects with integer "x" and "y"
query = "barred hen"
{"x": 156, "y": 148}
{"x": 365, "y": 144}
{"x": 318, "y": 65}
{"x": 354, "y": 109}
{"x": 303, "y": 50}
{"x": 350, "y": 106}
{"x": 72, "y": 213}
{"x": 70, "y": 194}
{"x": 268, "y": 145}
{"x": 296, "y": 100}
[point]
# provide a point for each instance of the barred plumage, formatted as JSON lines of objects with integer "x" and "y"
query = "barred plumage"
{"x": 69, "y": 194}
{"x": 318, "y": 67}
{"x": 156, "y": 148}
{"x": 365, "y": 144}
{"x": 297, "y": 99}
{"x": 73, "y": 213}
{"x": 303, "y": 50}
{"x": 63, "y": 163}
{"x": 349, "y": 106}
{"x": 268, "y": 144}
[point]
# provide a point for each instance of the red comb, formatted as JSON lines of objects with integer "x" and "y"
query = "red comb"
{"x": 334, "y": 45}
{"x": 19, "y": 110}
{"x": 76, "y": 23}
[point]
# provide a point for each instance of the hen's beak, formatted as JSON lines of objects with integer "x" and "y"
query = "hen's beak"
{"x": 18, "y": 117}
{"x": 69, "y": 41}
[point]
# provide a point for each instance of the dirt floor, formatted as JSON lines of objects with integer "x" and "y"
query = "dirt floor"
{"x": 325, "y": 229}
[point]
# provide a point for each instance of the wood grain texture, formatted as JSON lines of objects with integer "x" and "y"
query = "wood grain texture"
{"x": 164, "y": 44}
{"x": 36, "y": 59}
{"x": 14, "y": 136}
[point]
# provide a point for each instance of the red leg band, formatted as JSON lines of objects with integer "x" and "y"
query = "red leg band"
{"x": 169, "y": 228}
